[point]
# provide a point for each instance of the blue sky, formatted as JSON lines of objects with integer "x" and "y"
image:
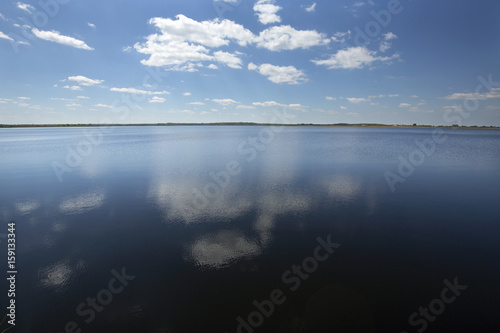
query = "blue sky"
{"x": 394, "y": 62}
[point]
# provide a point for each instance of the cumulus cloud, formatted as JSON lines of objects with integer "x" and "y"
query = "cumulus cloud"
{"x": 187, "y": 94}
{"x": 279, "y": 74}
{"x": 228, "y": 59}
{"x": 84, "y": 81}
{"x": 284, "y": 37}
{"x": 404, "y": 105}
{"x": 266, "y": 11}
{"x": 139, "y": 91}
{"x": 196, "y": 103}
{"x": 183, "y": 43}
{"x": 353, "y": 58}
{"x": 329, "y": 98}
{"x": 56, "y": 37}
{"x": 91, "y": 25}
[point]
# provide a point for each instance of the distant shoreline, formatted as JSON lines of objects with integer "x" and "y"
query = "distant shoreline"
{"x": 245, "y": 124}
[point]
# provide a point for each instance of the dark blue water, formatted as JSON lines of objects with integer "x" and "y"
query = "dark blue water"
{"x": 243, "y": 229}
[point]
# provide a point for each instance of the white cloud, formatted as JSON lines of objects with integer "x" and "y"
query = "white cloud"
{"x": 82, "y": 97}
{"x": 24, "y": 98}
{"x": 245, "y": 107}
{"x": 284, "y": 37}
{"x": 4, "y": 36}
{"x": 2, "y": 17}
{"x": 183, "y": 44}
{"x": 353, "y": 58}
{"x": 212, "y": 66}
{"x": 139, "y": 91}
{"x": 56, "y": 37}
{"x": 104, "y": 106}
{"x": 279, "y": 74}
{"x": 414, "y": 96}
{"x": 354, "y": 114}
{"x": 25, "y": 7}
{"x": 266, "y": 11}
{"x": 224, "y": 102}
{"x": 91, "y": 25}
{"x": 311, "y": 8}
{"x": 157, "y": 99}
{"x": 71, "y": 105}
{"x": 493, "y": 107}
{"x": 393, "y": 95}
{"x": 343, "y": 108}
{"x": 384, "y": 46}
{"x": 357, "y": 100}
{"x": 84, "y": 81}
{"x": 492, "y": 94}
{"x": 187, "y": 94}
{"x": 404, "y": 105}
{"x": 196, "y": 103}
{"x": 328, "y": 98}
{"x": 275, "y": 104}
{"x": 340, "y": 37}
{"x": 73, "y": 87}
{"x": 389, "y": 36}
{"x": 228, "y": 58}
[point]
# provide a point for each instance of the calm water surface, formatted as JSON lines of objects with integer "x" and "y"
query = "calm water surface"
{"x": 225, "y": 229}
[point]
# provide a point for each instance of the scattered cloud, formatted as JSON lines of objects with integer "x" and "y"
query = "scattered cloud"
{"x": 2, "y": 17}
{"x": 157, "y": 99}
{"x": 91, "y": 25}
{"x": 393, "y": 95}
{"x": 492, "y": 94}
{"x": 25, "y": 7}
{"x": 104, "y": 106}
{"x": 73, "y": 87}
{"x": 82, "y": 97}
{"x": 284, "y": 37}
{"x": 24, "y": 98}
{"x": 328, "y": 98}
{"x": 493, "y": 107}
{"x": 279, "y": 74}
{"x": 224, "y": 102}
{"x": 343, "y": 108}
{"x": 56, "y": 37}
{"x": 139, "y": 91}
{"x": 311, "y": 8}
{"x": 266, "y": 11}
{"x": 245, "y": 107}
{"x": 404, "y": 105}
{"x": 341, "y": 37}
{"x": 4, "y": 36}
{"x": 353, "y": 58}
{"x": 357, "y": 100}
{"x": 72, "y": 105}
{"x": 187, "y": 94}
{"x": 353, "y": 114}
{"x": 196, "y": 103}
{"x": 84, "y": 81}
{"x": 414, "y": 96}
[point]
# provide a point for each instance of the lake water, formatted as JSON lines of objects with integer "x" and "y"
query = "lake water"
{"x": 242, "y": 229}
